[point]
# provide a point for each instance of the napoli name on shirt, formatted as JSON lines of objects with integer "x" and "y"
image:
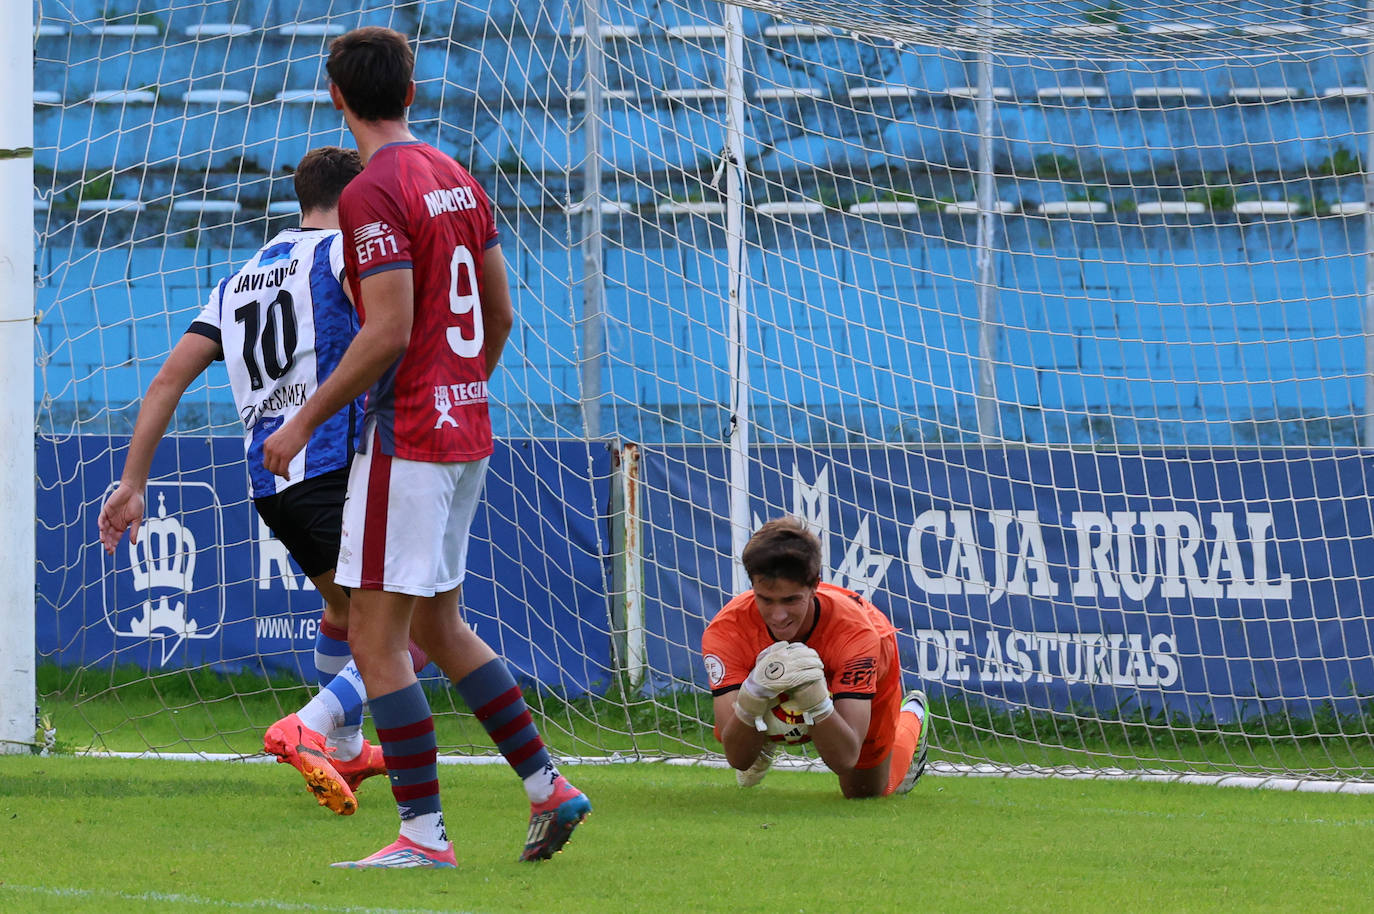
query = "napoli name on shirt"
{"x": 414, "y": 208}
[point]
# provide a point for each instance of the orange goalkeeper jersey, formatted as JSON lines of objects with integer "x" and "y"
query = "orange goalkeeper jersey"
{"x": 854, "y": 639}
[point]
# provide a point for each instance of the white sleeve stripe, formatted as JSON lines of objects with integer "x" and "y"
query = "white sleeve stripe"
{"x": 336, "y": 259}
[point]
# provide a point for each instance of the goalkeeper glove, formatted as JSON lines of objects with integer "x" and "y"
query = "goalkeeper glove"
{"x": 755, "y": 698}
{"x": 813, "y": 700}
{"x": 780, "y": 667}
{"x": 793, "y": 665}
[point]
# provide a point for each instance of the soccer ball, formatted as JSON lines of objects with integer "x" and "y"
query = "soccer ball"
{"x": 785, "y": 725}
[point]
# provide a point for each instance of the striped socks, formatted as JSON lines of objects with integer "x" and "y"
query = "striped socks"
{"x": 493, "y": 695}
{"x": 405, "y": 728}
{"x": 337, "y": 710}
{"x": 331, "y": 651}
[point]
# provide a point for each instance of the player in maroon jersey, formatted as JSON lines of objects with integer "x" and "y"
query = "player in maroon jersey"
{"x": 424, "y": 262}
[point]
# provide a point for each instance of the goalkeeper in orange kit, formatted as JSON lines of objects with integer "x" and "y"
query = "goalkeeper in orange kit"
{"x": 819, "y": 656}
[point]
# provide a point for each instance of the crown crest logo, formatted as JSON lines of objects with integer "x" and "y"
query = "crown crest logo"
{"x": 156, "y": 601}
{"x": 166, "y": 553}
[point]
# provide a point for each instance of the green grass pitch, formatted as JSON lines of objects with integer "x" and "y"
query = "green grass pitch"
{"x": 116, "y": 835}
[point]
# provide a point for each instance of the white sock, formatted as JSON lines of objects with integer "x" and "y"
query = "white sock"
{"x": 426, "y": 830}
{"x": 539, "y": 786}
{"x": 347, "y": 742}
{"x": 323, "y": 713}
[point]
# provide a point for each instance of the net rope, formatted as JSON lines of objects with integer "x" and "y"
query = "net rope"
{"x": 1042, "y": 228}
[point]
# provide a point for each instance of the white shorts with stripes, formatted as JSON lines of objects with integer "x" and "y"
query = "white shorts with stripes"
{"x": 406, "y": 523}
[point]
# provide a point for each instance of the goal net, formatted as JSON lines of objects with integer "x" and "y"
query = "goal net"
{"x": 1052, "y": 319}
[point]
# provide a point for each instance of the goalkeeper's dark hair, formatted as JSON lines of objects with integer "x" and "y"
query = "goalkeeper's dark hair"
{"x": 783, "y": 548}
{"x": 373, "y": 67}
{"x": 322, "y": 175}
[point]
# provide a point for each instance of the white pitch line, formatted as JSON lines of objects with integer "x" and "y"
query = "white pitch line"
{"x": 1246, "y": 779}
{"x": 182, "y": 900}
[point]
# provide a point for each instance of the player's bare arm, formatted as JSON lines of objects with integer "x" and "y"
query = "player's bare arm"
{"x": 498, "y": 315}
{"x": 741, "y": 742}
{"x": 390, "y": 303}
{"x": 779, "y": 667}
{"x": 839, "y": 737}
{"x": 123, "y": 510}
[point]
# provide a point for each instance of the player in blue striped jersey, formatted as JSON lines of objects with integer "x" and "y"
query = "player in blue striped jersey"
{"x": 286, "y": 317}
{"x": 281, "y": 324}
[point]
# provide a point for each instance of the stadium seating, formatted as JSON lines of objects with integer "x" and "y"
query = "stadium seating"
{"x": 186, "y": 125}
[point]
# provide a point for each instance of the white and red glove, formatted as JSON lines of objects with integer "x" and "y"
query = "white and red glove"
{"x": 812, "y": 699}
{"x": 780, "y": 667}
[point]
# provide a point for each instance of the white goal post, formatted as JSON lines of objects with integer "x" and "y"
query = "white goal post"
{"x": 17, "y": 658}
{"x": 1055, "y": 321}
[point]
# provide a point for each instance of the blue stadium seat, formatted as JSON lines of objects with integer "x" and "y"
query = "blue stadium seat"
{"x": 279, "y": 135}
{"x": 533, "y": 71}
{"x": 94, "y": 138}
{"x": 940, "y": 135}
{"x": 771, "y": 71}
{"x": 928, "y": 71}
{"x": 660, "y": 138}
{"x": 230, "y": 53}
{"x": 119, "y": 61}
{"x": 678, "y": 16}
{"x": 1234, "y": 335}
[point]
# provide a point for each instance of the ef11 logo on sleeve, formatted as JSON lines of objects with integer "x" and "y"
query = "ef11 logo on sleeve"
{"x": 374, "y": 240}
